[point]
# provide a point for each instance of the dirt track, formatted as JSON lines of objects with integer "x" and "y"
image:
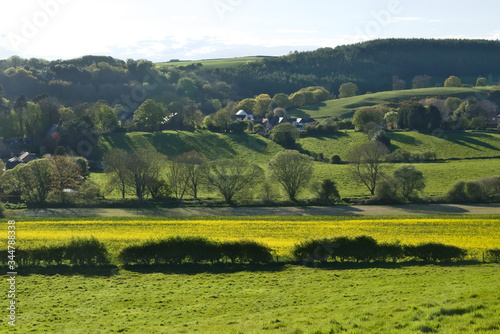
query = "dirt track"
{"x": 358, "y": 210}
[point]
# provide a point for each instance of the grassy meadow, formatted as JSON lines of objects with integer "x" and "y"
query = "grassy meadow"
{"x": 345, "y": 108}
{"x": 210, "y": 64}
{"x": 392, "y": 299}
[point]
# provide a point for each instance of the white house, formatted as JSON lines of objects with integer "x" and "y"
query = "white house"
{"x": 242, "y": 115}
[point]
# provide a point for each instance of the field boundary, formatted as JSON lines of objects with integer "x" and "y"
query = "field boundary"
{"x": 355, "y": 210}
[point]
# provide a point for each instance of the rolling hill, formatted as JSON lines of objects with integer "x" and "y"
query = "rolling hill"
{"x": 345, "y": 108}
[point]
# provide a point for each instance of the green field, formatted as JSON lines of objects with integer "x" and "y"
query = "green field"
{"x": 391, "y": 299}
{"x": 345, "y": 108}
{"x": 258, "y": 149}
{"x": 210, "y": 64}
{"x": 449, "y": 144}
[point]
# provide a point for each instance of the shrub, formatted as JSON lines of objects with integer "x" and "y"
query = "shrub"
{"x": 327, "y": 191}
{"x": 493, "y": 255}
{"x": 314, "y": 250}
{"x": 2, "y": 210}
{"x": 363, "y": 248}
{"x": 81, "y": 251}
{"x": 336, "y": 159}
{"x": 435, "y": 252}
{"x": 393, "y": 251}
{"x": 246, "y": 251}
{"x": 387, "y": 191}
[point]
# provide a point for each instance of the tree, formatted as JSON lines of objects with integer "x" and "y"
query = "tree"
{"x": 398, "y": 84}
{"x": 348, "y": 89}
{"x": 391, "y": 118}
{"x": 327, "y": 191}
{"x": 292, "y": 170}
{"x": 453, "y": 81}
{"x": 285, "y": 134}
{"x": 247, "y": 105}
{"x": 452, "y": 103}
{"x": 33, "y": 180}
{"x": 261, "y": 107}
{"x": 230, "y": 177}
{"x": 187, "y": 174}
{"x": 367, "y": 163}
{"x": 409, "y": 180}
{"x": 282, "y": 100}
{"x": 481, "y": 82}
{"x": 145, "y": 166}
{"x": 433, "y": 117}
{"x": 367, "y": 115}
{"x": 193, "y": 117}
{"x": 66, "y": 174}
{"x": 150, "y": 115}
{"x": 103, "y": 117}
{"x": 116, "y": 168}
{"x": 421, "y": 81}
{"x": 477, "y": 123}
{"x": 221, "y": 120}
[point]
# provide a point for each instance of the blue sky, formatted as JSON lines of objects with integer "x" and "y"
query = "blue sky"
{"x": 204, "y": 29}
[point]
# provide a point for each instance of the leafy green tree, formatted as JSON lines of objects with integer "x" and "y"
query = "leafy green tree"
{"x": 409, "y": 180}
{"x": 292, "y": 170}
{"x": 189, "y": 86}
{"x": 453, "y": 81}
{"x": 433, "y": 117}
{"x": 481, "y": 82}
{"x": 282, "y": 100}
{"x": 193, "y": 117}
{"x": 230, "y": 177}
{"x": 367, "y": 163}
{"x": 262, "y": 103}
{"x": 477, "y": 123}
{"x": 348, "y": 89}
{"x": 327, "y": 191}
{"x": 298, "y": 99}
{"x": 285, "y": 134}
{"x": 33, "y": 180}
{"x": 391, "y": 119}
{"x": 221, "y": 120}
{"x": 247, "y": 105}
{"x": 150, "y": 115}
{"x": 103, "y": 117}
{"x": 364, "y": 116}
{"x": 452, "y": 103}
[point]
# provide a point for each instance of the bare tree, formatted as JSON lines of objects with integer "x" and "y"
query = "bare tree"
{"x": 117, "y": 169}
{"x": 230, "y": 177}
{"x": 292, "y": 170}
{"x": 367, "y": 163}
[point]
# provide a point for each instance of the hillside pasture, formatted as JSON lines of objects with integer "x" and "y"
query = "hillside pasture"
{"x": 211, "y": 64}
{"x": 345, "y": 107}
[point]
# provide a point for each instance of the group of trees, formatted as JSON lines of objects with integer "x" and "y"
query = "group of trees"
{"x": 141, "y": 173}
{"x": 428, "y": 114}
{"x": 60, "y": 179}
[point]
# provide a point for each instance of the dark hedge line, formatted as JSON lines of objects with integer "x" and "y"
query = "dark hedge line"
{"x": 179, "y": 250}
{"x": 365, "y": 249}
{"x": 78, "y": 251}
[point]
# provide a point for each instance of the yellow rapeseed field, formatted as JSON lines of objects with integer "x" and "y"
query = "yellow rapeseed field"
{"x": 279, "y": 233}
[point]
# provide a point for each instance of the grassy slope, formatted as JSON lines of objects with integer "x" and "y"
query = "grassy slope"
{"x": 258, "y": 149}
{"x": 345, "y": 108}
{"x": 210, "y": 64}
{"x": 446, "y": 145}
{"x": 211, "y": 145}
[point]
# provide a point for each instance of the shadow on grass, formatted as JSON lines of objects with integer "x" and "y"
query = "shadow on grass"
{"x": 67, "y": 270}
{"x": 194, "y": 269}
{"x": 430, "y": 208}
{"x": 221, "y": 268}
{"x": 388, "y": 265}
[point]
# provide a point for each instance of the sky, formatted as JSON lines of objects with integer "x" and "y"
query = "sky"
{"x": 206, "y": 29}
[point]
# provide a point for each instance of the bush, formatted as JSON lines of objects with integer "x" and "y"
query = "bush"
{"x": 2, "y": 210}
{"x": 314, "y": 250}
{"x": 435, "y": 252}
{"x": 90, "y": 251}
{"x": 393, "y": 251}
{"x": 336, "y": 159}
{"x": 475, "y": 191}
{"x": 493, "y": 255}
{"x": 387, "y": 191}
{"x": 246, "y": 251}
